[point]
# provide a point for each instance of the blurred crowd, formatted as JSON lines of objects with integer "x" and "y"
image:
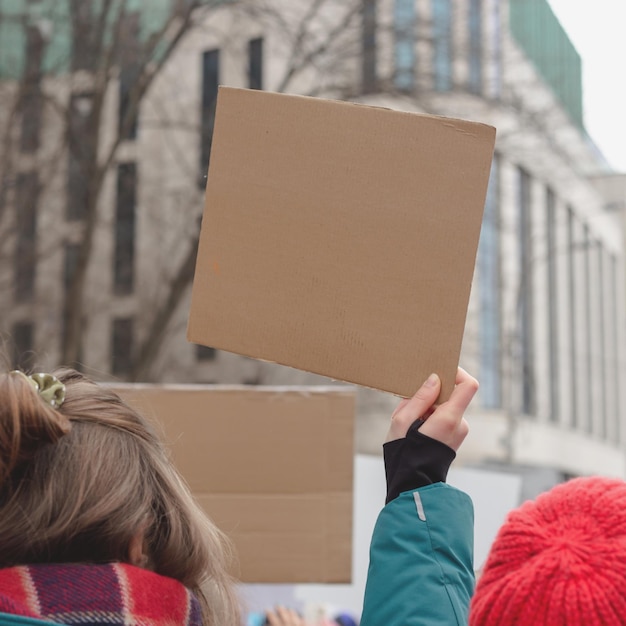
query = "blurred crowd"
{"x": 283, "y": 616}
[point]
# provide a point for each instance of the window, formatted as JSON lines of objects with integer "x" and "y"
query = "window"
{"x": 475, "y": 46}
{"x": 489, "y": 294}
{"x": 615, "y": 367}
{"x": 589, "y": 344}
{"x": 210, "y": 82}
{"x": 26, "y": 198}
{"x": 83, "y": 57}
{"x": 32, "y": 101}
{"x": 573, "y": 317}
{"x": 128, "y": 108}
{"x": 129, "y": 72}
{"x": 526, "y": 334}
{"x": 122, "y": 346}
{"x": 23, "y": 356}
{"x": 404, "y": 50}
{"x": 255, "y": 63}
{"x": 80, "y": 155}
{"x": 552, "y": 300}
{"x": 71, "y": 263}
{"x": 495, "y": 34}
{"x": 125, "y": 228}
{"x": 369, "y": 71}
{"x": 604, "y": 382}
{"x": 205, "y": 353}
{"x": 4, "y": 189}
{"x": 442, "y": 39}
{"x": 72, "y": 252}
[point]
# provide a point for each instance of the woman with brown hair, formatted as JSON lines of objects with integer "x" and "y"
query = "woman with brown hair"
{"x": 96, "y": 525}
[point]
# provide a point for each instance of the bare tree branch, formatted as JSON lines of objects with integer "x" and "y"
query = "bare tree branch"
{"x": 159, "y": 326}
{"x": 300, "y": 61}
{"x": 149, "y": 65}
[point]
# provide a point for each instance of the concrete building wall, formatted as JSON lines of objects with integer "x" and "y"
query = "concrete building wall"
{"x": 569, "y": 413}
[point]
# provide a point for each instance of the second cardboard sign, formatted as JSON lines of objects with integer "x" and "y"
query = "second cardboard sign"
{"x": 271, "y": 466}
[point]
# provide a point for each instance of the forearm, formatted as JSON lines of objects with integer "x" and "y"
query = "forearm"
{"x": 421, "y": 560}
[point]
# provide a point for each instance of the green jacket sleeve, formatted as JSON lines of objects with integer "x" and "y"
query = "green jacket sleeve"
{"x": 421, "y": 560}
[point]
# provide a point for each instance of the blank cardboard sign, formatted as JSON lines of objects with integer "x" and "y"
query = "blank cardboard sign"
{"x": 340, "y": 238}
{"x": 271, "y": 466}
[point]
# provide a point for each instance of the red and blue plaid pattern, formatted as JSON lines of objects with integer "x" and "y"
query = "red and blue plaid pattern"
{"x": 107, "y": 595}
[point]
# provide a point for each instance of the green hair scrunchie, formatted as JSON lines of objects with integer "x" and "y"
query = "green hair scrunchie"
{"x": 49, "y": 387}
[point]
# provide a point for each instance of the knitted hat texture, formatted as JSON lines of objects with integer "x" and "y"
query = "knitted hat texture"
{"x": 559, "y": 560}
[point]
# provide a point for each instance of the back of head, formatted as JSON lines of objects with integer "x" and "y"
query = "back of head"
{"x": 78, "y": 482}
{"x": 559, "y": 560}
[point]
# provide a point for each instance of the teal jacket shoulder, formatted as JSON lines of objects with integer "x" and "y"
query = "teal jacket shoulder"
{"x": 421, "y": 560}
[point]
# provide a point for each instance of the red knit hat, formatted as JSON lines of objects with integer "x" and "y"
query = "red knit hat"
{"x": 559, "y": 561}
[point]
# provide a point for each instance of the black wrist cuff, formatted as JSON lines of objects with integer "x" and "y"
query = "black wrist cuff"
{"x": 415, "y": 461}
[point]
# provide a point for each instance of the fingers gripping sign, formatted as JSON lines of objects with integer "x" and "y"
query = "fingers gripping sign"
{"x": 423, "y": 438}
{"x": 445, "y": 423}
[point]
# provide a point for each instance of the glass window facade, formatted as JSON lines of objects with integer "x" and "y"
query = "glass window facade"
{"x": 369, "y": 69}
{"x": 122, "y": 346}
{"x": 490, "y": 289}
{"x": 25, "y": 262}
{"x": 552, "y": 299}
{"x": 442, "y": 37}
{"x": 210, "y": 83}
{"x": 475, "y": 25}
{"x": 255, "y": 63}
{"x": 123, "y": 266}
{"x": 525, "y": 312}
{"x": 404, "y": 20}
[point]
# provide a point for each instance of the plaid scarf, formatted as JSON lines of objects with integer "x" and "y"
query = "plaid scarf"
{"x": 111, "y": 594}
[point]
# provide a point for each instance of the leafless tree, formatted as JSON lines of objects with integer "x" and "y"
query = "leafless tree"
{"x": 63, "y": 104}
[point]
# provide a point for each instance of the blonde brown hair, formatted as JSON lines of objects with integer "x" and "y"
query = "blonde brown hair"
{"x": 79, "y": 482}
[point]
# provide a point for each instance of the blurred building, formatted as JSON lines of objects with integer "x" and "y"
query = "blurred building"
{"x": 545, "y": 331}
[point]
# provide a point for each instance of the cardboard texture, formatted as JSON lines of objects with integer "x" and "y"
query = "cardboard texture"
{"x": 340, "y": 238}
{"x": 271, "y": 466}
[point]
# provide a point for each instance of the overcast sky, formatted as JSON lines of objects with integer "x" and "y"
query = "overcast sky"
{"x": 598, "y": 31}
